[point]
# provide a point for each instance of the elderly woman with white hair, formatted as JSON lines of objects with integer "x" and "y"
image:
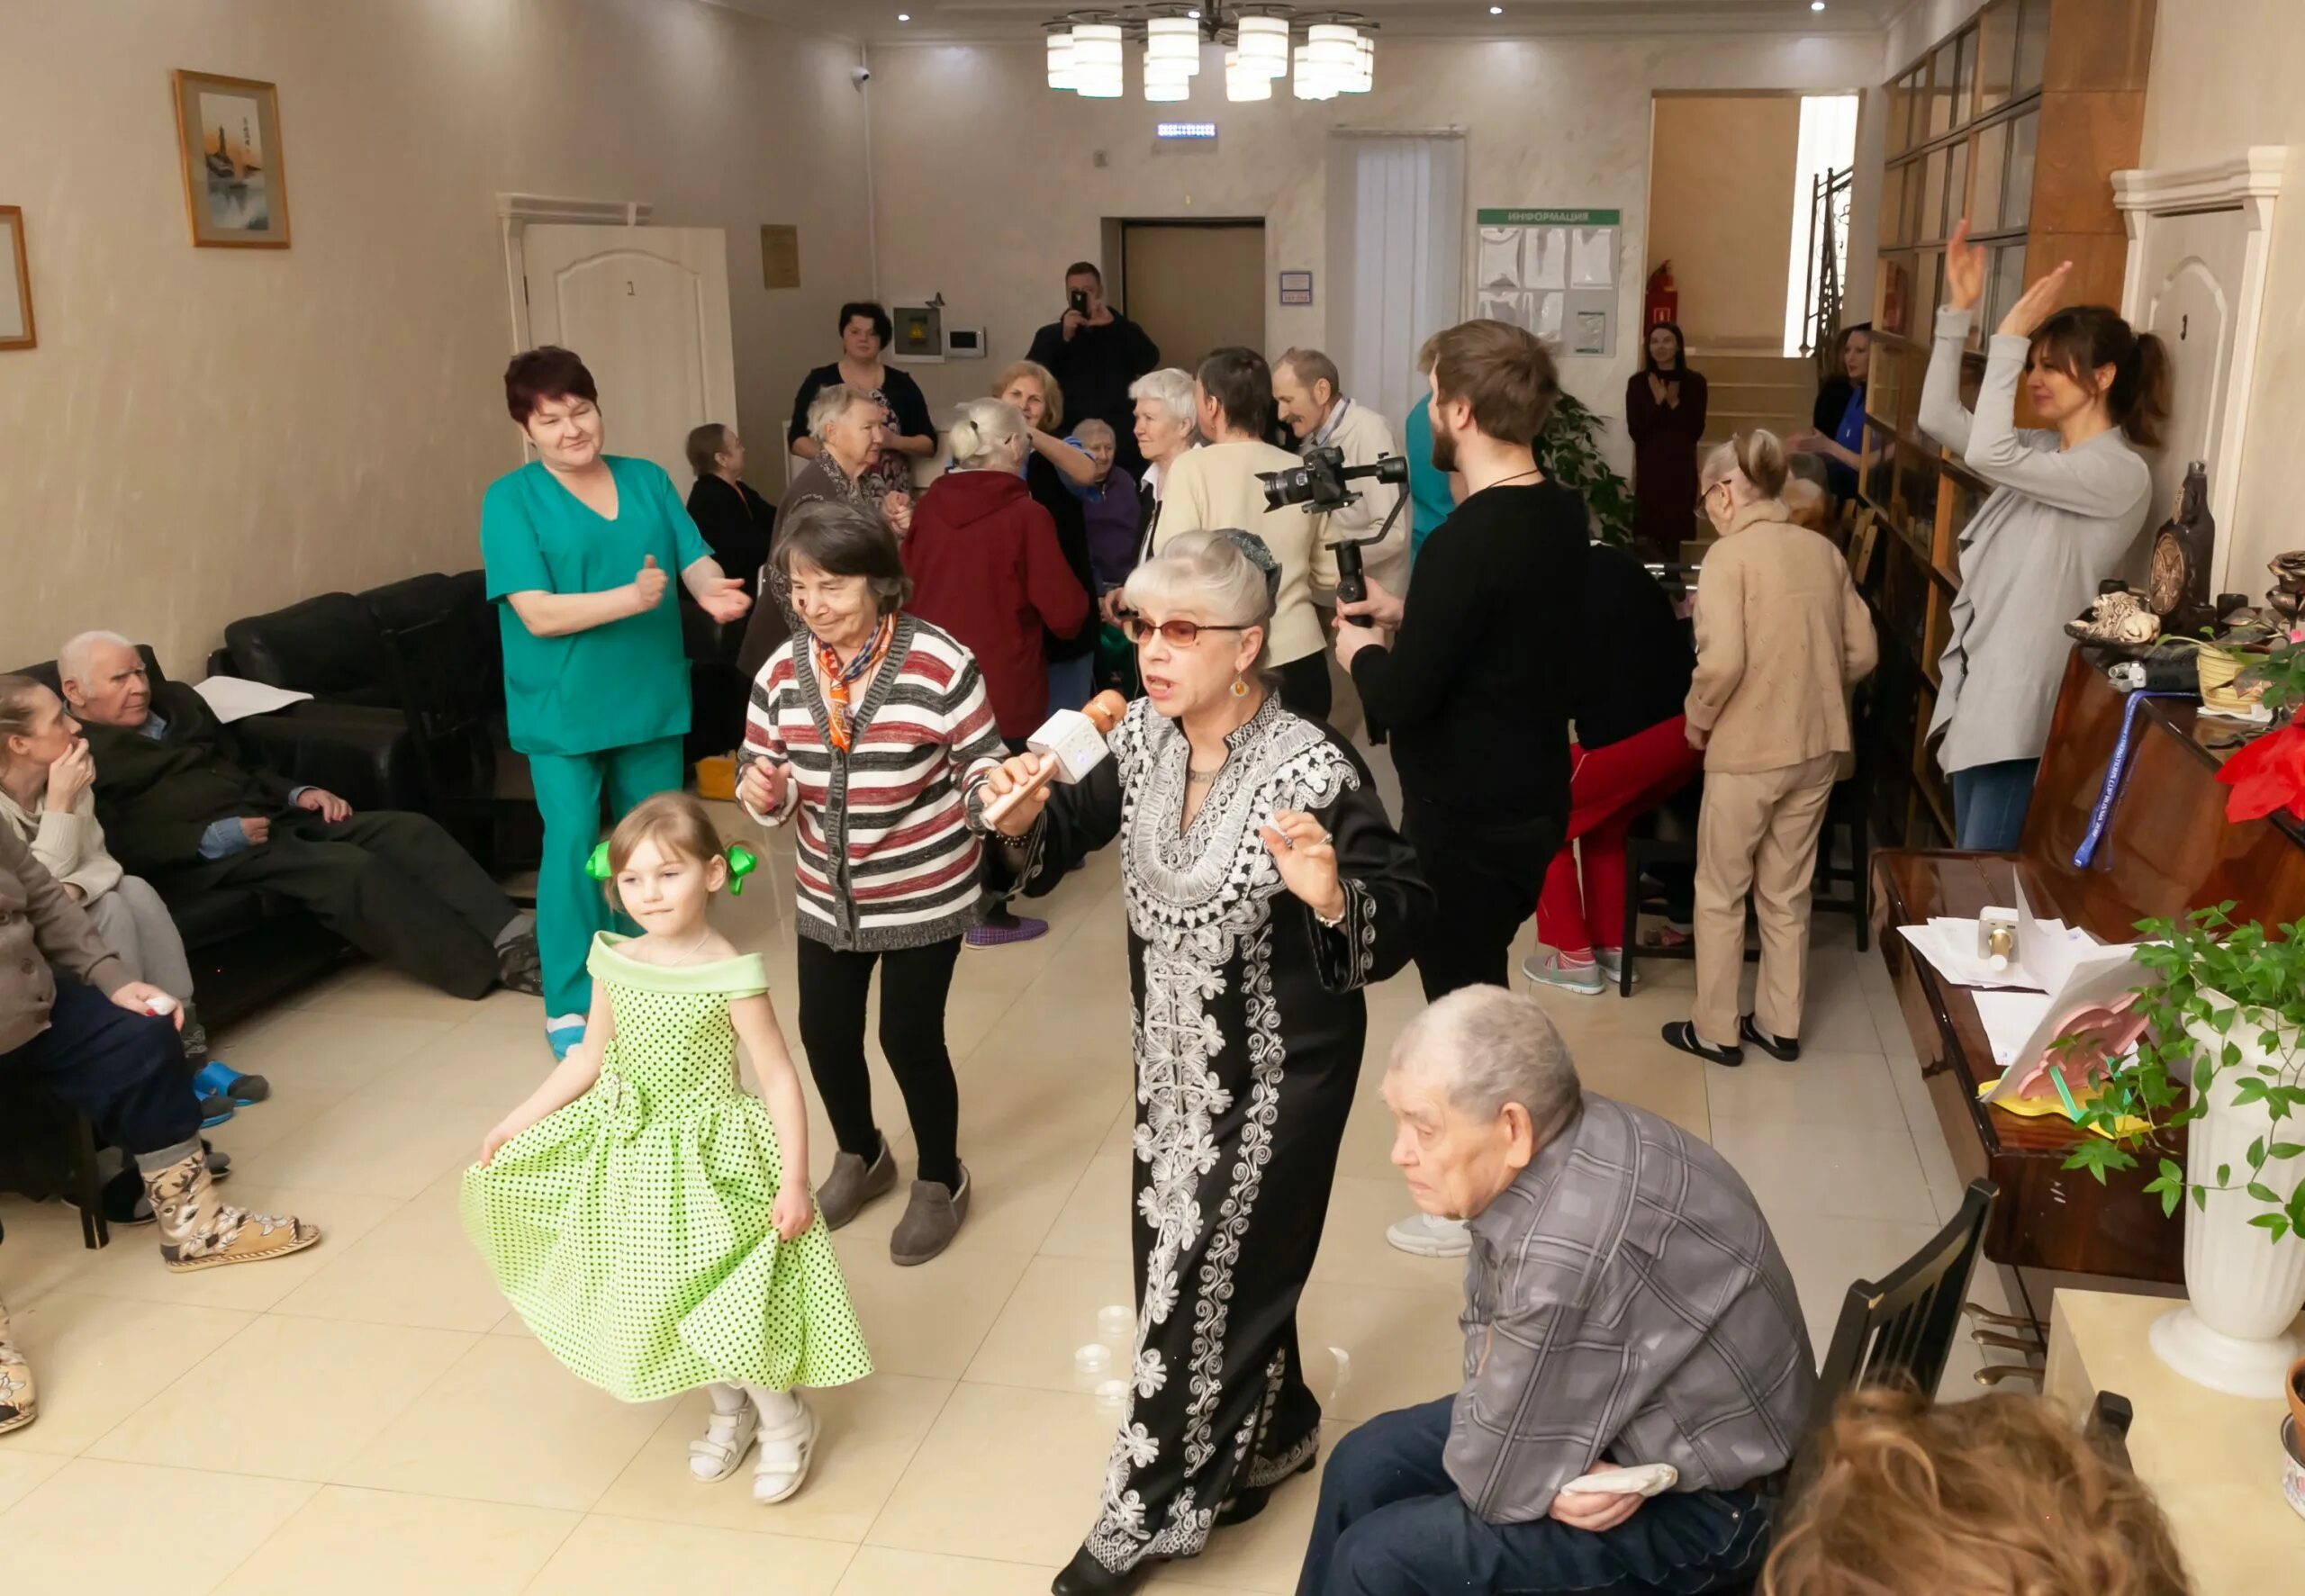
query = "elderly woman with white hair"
{"x": 1168, "y": 413}
{"x": 847, "y": 424}
{"x": 1625, "y": 1307}
{"x": 1265, "y": 888}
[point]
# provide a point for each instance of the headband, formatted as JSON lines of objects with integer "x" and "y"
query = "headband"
{"x": 1260, "y": 556}
{"x": 742, "y": 863}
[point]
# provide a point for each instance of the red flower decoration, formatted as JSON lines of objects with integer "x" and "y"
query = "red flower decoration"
{"x": 2268, "y": 774}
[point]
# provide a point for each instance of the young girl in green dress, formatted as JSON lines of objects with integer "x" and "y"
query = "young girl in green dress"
{"x": 648, "y": 1217}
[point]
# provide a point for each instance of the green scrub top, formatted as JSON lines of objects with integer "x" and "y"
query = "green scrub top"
{"x": 616, "y": 685}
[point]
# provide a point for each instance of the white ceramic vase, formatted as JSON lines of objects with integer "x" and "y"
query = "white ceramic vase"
{"x": 2245, "y": 1290}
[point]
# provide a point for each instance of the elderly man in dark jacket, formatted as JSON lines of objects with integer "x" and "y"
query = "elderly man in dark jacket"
{"x": 72, "y": 1020}
{"x": 181, "y": 812}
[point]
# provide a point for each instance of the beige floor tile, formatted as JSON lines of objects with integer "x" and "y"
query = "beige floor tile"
{"x": 1827, "y": 1254}
{"x": 1400, "y": 1348}
{"x": 97, "y": 1528}
{"x": 373, "y": 992}
{"x": 926, "y": 1321}
{"x": 387, "y": 1543}
{"x": 132, "y": 1268}
{"x": 478, "y": 1061}
{"x": 1051, "y": 1315}
{"x": 609, "y": 1556}
{"x": 1120, "y": 1135}
{"x": 882, "y": 1571}
{"x": 1006, "y": 1474}
{"x": 289, "y": 1398}
{"x": 1820, "y": 1088}
{"x": 1367, "y": 1150}
{"x": 1354, "y": 1249}
{"x": 377, "y": 1143}
{"x": 505, "y": 1423}
{"x": 1798, "y": 1170}
{"x": 1095, "y": 1220}
{"x": 1266, "y": 1554}
{"x": 98, "y": 1359}
{"x": 417, "y": 1267}
{"x": 326, "y": 1054}
{"x": 44, "y": 1249}
{"x": 868, "y": 1432}
{"x": 21, "y": 1468}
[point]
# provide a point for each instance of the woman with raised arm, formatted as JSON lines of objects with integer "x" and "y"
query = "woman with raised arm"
{"x": 1265, "y": 889}
{"x": 2068, "y": 502}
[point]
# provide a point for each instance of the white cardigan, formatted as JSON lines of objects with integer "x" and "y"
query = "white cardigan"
{"x": 69, "y": 844}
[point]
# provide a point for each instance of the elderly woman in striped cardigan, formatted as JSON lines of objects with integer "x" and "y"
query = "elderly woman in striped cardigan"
{"x": 874, "y": 727}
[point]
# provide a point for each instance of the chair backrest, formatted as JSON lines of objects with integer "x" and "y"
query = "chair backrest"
{"x": 2109, "y": 1417}
{"x": 1903, "y": 1326}
{"x": 48, "y": 676}
{"x": 447, "y": 686}
{"x": 326, "y": 645}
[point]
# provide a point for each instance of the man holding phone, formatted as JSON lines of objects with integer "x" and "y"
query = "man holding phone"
{"x": 1095, "y": 353}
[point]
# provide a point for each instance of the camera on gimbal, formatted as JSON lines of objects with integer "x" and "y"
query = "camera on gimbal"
{"x": 1319, "y": 485}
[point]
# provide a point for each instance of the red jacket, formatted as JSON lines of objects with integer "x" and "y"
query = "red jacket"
{"x": 986, "y": 567}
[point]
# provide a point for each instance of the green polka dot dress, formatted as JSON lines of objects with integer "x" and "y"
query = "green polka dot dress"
{"x": 631, "y": 1230}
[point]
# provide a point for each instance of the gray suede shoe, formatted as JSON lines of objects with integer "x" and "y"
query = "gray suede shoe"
{"x": 853, "y": 1183}
{"x": 931, "y": 1220}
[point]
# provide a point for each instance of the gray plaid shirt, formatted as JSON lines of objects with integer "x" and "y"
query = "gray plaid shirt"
{"x": 1624, "y": 1300}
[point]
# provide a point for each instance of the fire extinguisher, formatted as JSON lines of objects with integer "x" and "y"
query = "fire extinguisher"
{"x": 1663, "y": 303}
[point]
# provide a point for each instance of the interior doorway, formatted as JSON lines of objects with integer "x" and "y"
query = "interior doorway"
{"x": 1194, "y": 286}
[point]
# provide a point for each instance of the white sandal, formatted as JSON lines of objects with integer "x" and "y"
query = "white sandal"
{"x": 783, "y": 1461}
{"x": 727, "y": 1438}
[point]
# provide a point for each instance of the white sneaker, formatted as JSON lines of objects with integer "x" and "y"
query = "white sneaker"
{"x": 1545, "y": 968}
{"x": 1428, "y": 1236}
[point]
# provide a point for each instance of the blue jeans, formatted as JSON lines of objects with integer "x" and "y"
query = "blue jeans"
{"x": 1392, "y": 1523}
{"x": 1989, "y": 804}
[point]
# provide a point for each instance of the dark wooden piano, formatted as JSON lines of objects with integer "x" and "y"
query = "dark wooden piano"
{"x": 2168, "y": 848}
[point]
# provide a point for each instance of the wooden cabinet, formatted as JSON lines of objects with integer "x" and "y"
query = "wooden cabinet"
{"x": 2016, "y": 121}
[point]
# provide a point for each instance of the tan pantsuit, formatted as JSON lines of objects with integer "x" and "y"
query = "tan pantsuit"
{"x": 1757, "y": 832}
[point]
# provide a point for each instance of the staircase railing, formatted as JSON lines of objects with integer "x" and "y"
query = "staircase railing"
{"x": 1828, "y": 267}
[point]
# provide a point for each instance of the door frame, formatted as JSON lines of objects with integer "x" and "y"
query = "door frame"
{"x": 1116, "y": 236}
{"x": 2248, "y": 183}
{"x": 516, "y": 212}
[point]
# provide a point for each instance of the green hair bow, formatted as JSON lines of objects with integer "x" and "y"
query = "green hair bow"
{"x": 742, "y": 863}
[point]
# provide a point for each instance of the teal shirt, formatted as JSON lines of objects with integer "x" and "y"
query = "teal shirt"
{"x": 613, "y": 686}
{"x": 1428, "y": 489}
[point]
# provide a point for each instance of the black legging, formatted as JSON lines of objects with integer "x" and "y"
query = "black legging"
{"x": 914, "y": 982}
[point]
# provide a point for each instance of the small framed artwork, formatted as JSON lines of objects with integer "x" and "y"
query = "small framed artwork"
{"x": 228, "y": 139}
{"x": 16, "y": 330}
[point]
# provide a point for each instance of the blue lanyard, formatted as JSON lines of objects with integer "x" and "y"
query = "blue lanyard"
{"x": 2115, "y": 771}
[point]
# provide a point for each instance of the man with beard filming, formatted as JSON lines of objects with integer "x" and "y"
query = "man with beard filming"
{"x": 1471, "y": 672}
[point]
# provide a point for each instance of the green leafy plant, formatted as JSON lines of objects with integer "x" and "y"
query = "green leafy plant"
{"x": 2282, "y": 671}
{"x": 1568, "y": 452}
{"x": 2220, "y": 978}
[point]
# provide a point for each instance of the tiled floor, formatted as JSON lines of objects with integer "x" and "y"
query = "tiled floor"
{"x": 368, "y": 1416}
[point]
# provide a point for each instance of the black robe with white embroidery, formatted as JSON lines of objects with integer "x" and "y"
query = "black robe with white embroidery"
{"x": 1248, "y": 1033}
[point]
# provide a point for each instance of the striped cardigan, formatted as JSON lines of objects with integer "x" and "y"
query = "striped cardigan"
{"x": 884, "y": 852}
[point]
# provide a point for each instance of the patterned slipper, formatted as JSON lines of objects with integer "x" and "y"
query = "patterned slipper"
{"x": 1000, "y": 934}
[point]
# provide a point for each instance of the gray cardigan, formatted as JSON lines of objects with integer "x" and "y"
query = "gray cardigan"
{"x": 40, "y": 928}
{"x": 2059, "y": 521}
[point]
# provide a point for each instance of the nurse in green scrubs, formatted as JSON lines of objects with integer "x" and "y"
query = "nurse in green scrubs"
{"x": 579, "y": 546}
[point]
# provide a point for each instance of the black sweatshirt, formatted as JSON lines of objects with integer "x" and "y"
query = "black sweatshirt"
{"x": 1475, "y": 688}
{"x": 1635, "y": 669}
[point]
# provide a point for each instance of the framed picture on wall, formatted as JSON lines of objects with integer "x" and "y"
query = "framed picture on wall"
{"x": 228, "y": 140}
{"x": 16, "y": 331}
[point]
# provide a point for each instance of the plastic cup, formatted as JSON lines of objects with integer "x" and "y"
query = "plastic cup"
{"x": 1116, "y": 1322}
{"x": 1112, "y": 1394}
{"x": 1095, "y": 1358}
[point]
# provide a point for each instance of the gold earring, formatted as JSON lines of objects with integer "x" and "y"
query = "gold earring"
{"x": 1240, "y": 687}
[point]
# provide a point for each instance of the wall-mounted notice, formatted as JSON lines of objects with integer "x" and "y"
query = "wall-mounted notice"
{"x": 1296, "y": 288}
{"x": 1553, "y": 270}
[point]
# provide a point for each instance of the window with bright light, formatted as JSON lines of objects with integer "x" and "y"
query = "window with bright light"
{"x": 1828, "y": 144}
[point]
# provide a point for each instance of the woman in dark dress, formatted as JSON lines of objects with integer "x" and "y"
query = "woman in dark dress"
{"x": 1664, "y": 412}
{"x": 1265, "y": 888}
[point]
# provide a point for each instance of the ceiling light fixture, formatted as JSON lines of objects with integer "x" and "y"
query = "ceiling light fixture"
{"x": 1816, "y": 5}
{"x": 904, "y": 16}
{"x": 1497, "y": 11}
{"x": 1330, "y": 52}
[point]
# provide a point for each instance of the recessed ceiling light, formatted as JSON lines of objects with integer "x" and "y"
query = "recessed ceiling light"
{"x": 1816, "y": 5}
{"x": 906, "y": 16}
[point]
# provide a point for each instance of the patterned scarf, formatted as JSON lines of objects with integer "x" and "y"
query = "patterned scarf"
{"x": 836, "y": 679}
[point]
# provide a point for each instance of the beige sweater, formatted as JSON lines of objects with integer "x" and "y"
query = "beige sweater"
{"x": 1214, "y": 488}
{"x": 1780, "y": 635}
{"x": 68, "y": 842}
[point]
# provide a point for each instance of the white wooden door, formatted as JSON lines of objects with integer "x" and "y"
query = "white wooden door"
{"x": 2191, "y": 279}
{"x": 646, "y": 308}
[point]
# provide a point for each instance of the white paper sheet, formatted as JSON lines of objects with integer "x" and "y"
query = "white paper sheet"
{"x": 1500, "y": 257}
{"x": 1503, "y": 305}
{"x": 1589, "y": 335}
{"x": 1593, "y": 257}
{"x": 235, "y": 697}
{"x": 1544, "y": 257}
{"x": 1548, "y": 322}
{"x": 2010, "y": 1018}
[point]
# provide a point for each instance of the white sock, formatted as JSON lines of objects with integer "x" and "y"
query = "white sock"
{"x": 727, "y": 1398}
{"x": 779, "y": 1410}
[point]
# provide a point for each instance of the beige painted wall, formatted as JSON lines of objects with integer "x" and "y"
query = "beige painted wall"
{"x": 2217, "y": 87}
{"x": 1720, "y": 210}
{"x": 1561, "y": 122}
{"x": 205, "y": 434}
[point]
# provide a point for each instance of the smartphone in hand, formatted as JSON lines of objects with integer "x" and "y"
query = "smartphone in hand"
{"x": 1078, "y": 299}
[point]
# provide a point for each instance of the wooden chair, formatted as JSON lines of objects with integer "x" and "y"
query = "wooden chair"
{"x": 49, "y": 1150}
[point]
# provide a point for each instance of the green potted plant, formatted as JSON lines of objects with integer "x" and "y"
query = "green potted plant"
{"x": 1568, "y": 452}
{"x": 2223, "y": 1058}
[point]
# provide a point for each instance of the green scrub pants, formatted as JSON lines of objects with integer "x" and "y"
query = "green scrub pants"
{"x": 570, "y": 905}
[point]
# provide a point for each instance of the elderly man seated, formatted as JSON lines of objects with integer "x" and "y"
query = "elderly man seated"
{"x": 1625, "y": 1305}
{"x": 181, "y": 812}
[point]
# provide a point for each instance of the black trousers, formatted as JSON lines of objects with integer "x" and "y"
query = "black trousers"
{"x": 914, "y": 982}
{"x": 1305, "y": 686}
{"x": 125, "y": 1071}
{"x": 1487, "y": 879}
{"x": 394, "y": 885}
